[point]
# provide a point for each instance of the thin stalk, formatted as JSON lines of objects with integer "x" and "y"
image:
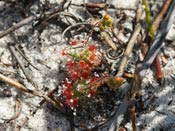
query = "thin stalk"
{"x": 133, "y": 118}
{"x": 148, "y": 18}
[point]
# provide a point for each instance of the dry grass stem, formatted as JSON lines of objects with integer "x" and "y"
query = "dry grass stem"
{"x": 18, "y": 25}
{"x": 161, "y": 14}
{"x": 18, "y": 109}
{"x": 108, "y": 39}
{"x": 19, "y": 86}
{"x": 13, "y": 83}
{"x": 26, "y": 72}
{"x": 129, "y": 49}
{"x": 132, "y": 117}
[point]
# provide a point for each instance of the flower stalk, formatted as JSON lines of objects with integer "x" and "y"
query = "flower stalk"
{"x": 148, "y": 18}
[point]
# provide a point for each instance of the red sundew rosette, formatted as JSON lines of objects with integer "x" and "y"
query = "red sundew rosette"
{"x": 80, "y": 68}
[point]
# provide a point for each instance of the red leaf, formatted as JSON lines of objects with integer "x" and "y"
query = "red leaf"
{"x": 85, "y": 74}
{"x": 68, "y": 93}
{"x": 75, "y": 75}
{"x": 92, "y": 93}
{"x": 82, "y": 63}
{"x": 73, "y": 42}
{"x": 71, "y": 64}
{"x": 67, "y": 84}
{"x": 92, "y": 48}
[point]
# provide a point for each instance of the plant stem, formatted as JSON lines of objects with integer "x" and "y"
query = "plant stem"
{"x": 128, "y": 49}
{"x": 148, "y": 18}
{"x": 132, "y": 117}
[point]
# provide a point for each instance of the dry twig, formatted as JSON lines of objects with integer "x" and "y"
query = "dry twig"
{"x": 24, "y": 122}
{"x": 108, "y": 39}
{"x": 72, "y": 26}
{"x": 132, "y": 117}
{"x": 18, "y": 25}
{"x": 131, "y": 42}
{"x": 23, "y": 55}
{"x": 20, "y": 87}
{"x": 161, "y": 14}
{"x": 27, "y": 20}
{"x": 26, "y": 72}
{"x": 129, "y": 49}
{"x": 17, "y": 112}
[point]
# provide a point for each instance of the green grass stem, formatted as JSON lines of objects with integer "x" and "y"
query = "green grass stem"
{"x": 148, "y": 18}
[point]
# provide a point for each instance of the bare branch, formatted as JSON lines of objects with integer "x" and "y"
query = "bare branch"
{"x": 18, "y": 25}
{"x": 129, "y": 49}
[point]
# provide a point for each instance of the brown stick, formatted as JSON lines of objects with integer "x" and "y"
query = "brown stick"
{"x": 161, "y": 14}
{"x": 18, "y": 25}
{"x": 109, "y": 41}
{"x": 132, "y": 117}
{"x": 17, "y": 112}
{"x": 13, "y": 83}
{"x": 24, "y": 122}
{"x": 129, "y": 49}
{"x": 27, "y": 21}
{"x": 19, "y": 86}
{"x": 23, "y": 55}
{"x": 158, "y": 70}
{"x": 131, "y": 42}
{"x": 101, "y": 6}
{"x": 26, "y": 72}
